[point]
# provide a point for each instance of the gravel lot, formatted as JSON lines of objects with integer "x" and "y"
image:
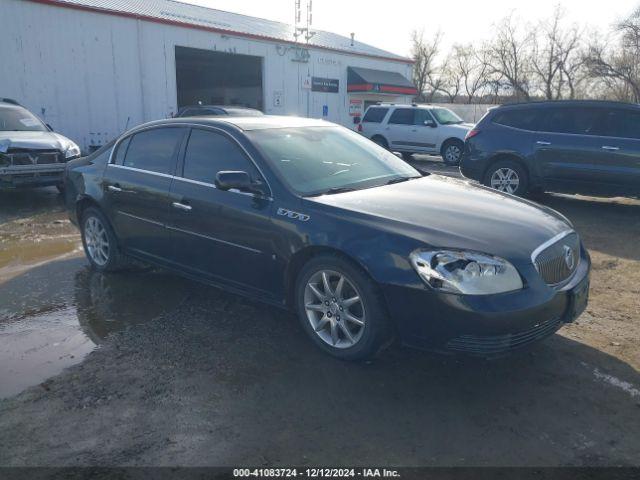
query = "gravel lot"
{"x": 146, "y": 368}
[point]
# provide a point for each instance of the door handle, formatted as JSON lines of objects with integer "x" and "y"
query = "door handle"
{"x": 542, "y": 142}
{"x": 607, "y": 147}
{"x": 113, "y": 188}
{"x": 181, "y": 206}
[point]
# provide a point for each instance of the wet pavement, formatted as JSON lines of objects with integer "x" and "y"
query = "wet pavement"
{"x": 147, "y": 368}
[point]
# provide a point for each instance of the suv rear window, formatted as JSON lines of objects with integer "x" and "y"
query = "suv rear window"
{"x": 524, "y": 119}
{"x": 375, "y": 114}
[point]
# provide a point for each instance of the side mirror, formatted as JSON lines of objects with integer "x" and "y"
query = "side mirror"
{"x": 227, "y": 180}
{"x": 430, "y": 123}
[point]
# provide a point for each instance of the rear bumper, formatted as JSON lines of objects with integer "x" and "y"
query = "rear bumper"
{"x": 486, "y": 325}
{"x": 32, "y": 175}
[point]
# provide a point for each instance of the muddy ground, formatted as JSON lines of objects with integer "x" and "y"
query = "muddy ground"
{"x": 146, "y": 368}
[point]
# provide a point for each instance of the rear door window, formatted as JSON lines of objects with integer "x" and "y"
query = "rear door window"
{"x": 154, "y": 150}
{"x": 576, "y": 121}
{"x": 375, "y": 115}
{"x": 402, "y": 116}
{"x": 209, "y": 153}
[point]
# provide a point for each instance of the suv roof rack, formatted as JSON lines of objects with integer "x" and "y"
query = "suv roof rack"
{"x": 9, "y": 100}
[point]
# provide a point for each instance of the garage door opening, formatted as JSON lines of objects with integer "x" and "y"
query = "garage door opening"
{"x": 215, "y": 78}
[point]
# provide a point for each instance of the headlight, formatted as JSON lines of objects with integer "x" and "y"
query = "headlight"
{"x": 466, "y": 273}
{"x": 72, "y": 152}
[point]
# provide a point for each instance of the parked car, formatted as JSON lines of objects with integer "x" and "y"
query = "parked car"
{"x": 207, "y": 110}
{"x": 589, "y": 147}
{"x": 311, "y": 216}
{"x": 410, "y": 129}
{"x": 31, "y": 154}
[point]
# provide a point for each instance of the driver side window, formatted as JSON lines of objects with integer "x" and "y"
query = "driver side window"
{"x": 422, "y": 115}
{"x": 209, "y": 152}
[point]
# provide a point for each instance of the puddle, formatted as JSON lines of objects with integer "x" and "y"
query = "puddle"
{"x": 41, "y": 342}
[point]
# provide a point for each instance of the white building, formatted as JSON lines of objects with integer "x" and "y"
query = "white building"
{"x": 93, "y": 68}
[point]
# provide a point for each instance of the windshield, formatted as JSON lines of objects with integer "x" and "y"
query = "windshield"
{"x": 16, "y": 119}
{"x": 446, "y": 116}
{"x": 317, "y": 160}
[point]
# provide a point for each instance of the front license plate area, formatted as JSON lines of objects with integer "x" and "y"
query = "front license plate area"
{"x": 579, "y": 299}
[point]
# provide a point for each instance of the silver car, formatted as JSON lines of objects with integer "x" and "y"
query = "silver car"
{"x": 31, "y": 154}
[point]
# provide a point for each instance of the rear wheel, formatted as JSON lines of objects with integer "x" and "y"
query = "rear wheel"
{"x": 452, "y": 152}
{"x": 377, "y": 139}
{"x": 507, "y": 176}
{"x": 99, "y": 242}
{"x": 339, "y": 308}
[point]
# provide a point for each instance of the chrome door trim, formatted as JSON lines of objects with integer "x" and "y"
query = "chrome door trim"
{"x": 548, "y": 243}
{"x": 206, "y": 237}
{"x": 211, "y": 185}
{"x": 140, "y": 170}
{"x": 153, "y": 222}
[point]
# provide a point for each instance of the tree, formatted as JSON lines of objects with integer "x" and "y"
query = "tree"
{"x": 556, "y": 59}
{"x": 473, "y": 69}
{"x": 424, "y": 54}
{"x": 617, "y": 62}
{"x": 509, "y": 57}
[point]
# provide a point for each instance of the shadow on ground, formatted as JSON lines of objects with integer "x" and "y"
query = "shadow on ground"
{"x": 188, "y": 375}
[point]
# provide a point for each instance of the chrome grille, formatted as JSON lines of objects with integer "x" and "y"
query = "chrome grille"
{"x": 32, "y": 157}
{"x": 556, "y": 261}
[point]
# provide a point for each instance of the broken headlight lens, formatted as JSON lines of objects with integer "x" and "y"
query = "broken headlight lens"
{"x": 72, "y": 152}
{"x": 466, "y": 273}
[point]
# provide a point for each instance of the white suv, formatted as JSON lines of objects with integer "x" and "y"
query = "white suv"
{"x": 410, "y": 129}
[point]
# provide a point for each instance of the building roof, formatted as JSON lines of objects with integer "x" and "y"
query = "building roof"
{"x": 193, "y": 16}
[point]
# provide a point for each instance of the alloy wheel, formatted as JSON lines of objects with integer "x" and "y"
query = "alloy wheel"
{"x": 452, "y": 154}
{"x": 505, "y": 180}
{"x": 97, "y": 241}
{"x": 334, "y": 308}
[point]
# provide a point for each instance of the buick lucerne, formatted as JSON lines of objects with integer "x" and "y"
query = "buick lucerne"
{"x": 313, "y": 217}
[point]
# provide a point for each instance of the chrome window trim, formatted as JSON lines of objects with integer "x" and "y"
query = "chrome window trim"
{"x": 140, "y": 170}
{"x": 548, "y": 243}
{"x": 191, "y": 125}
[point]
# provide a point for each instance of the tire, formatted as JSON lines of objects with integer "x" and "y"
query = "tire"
{"x": 452, "y": 152}
{"x": 336, "y": 311}
{"x": 378, "y": 140}
{"x": 96, "y": 231}
{"x": 407, "y": 156}
{"x": 507, "y": 176}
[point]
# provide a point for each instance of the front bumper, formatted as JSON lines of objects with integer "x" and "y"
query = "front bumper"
{"x": 32, "y": 175}
{"x": 487, "y": 325}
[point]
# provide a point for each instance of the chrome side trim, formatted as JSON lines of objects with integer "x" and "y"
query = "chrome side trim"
{"x": 213, "y": 239}
{"x": 153, "y": 222}
{"x": 548, "y": 243}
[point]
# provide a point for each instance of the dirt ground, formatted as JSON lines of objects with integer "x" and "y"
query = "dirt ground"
{"x": 146, "y": 368}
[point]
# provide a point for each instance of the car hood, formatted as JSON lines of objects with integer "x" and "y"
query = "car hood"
{"x": 444, "y": 212}
{"x": 33, "y": 140}
{"x": 461, "y": 127}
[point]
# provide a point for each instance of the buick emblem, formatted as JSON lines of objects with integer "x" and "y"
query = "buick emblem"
{"x": 569, "y": 259}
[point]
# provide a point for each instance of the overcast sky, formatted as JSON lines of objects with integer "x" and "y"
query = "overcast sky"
{"x": 387, "y": 25}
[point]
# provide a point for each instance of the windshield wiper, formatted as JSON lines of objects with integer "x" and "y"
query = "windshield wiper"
{"x": 332, "y": 191}
{"x": 399, "y": 180}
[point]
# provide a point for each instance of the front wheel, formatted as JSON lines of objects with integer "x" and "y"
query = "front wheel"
{"x": 99, "y": 241}
{"x": 452, "y": 152}
{"x": 340, "y": 309}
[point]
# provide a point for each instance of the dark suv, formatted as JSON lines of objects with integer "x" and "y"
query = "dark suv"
{"x": 589, "y": 147}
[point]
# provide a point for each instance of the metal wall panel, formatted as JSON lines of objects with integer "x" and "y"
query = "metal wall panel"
{"x": 93, "y": 75}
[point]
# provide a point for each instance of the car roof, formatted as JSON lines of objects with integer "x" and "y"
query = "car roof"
{"x": 245, "y": 123}
{"x": 567, "y": 103}
{"x": 425, "y": 106}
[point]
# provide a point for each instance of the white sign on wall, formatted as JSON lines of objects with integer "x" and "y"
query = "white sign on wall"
{"x": 355, "y": 107}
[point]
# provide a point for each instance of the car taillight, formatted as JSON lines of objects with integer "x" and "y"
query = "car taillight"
{"x": 471, "y": 134}
{"x": 359, "y": 127}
